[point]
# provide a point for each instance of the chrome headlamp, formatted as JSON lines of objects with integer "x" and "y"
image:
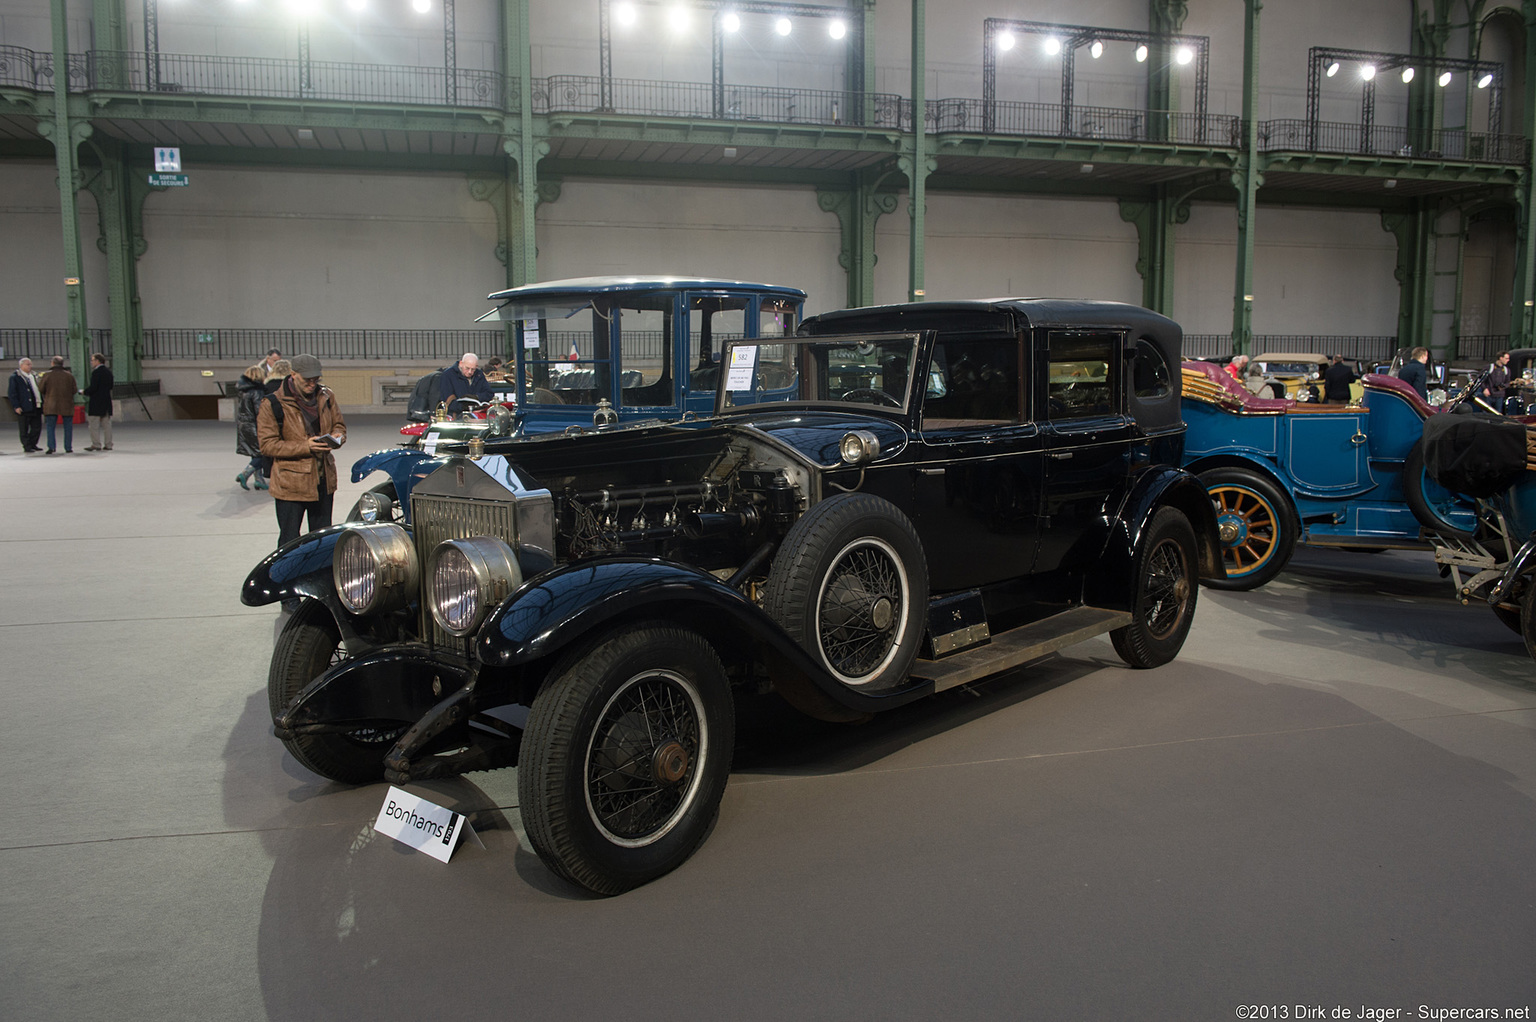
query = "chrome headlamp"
{"x": 373, "y": 506}
{"x": 374, "y": 568}
{"x": 467, "y": 578}
{"x": 859, "y": 446}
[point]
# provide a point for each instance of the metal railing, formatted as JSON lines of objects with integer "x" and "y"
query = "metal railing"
{"x": 21, "y": 68}
{"x": 1356, "y": 347}
{"x": 1482, "y": 347}
{"x": 582, "y": 94}
{"x": 42, "y": 343}
{"x": 1391, "y": 140}
{"x": 272, "y": 77}
{"x": 1052, "y": 120}
{"x": 249, "y": 345}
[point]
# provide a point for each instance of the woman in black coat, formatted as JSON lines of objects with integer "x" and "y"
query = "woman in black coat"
{"x": 248, "y": 400}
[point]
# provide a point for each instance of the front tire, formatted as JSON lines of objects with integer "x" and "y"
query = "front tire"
{"x": 1167, "y": 570}
{"x": 850, "y": 585}
{"x": 1257, "y": 524}
{"x": 625, "y": 757}
{"x": 310, "y": 645}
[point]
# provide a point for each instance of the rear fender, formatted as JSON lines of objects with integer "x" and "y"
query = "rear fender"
{"x": 1112, "y": 584}
{"x": 575, "y": 601}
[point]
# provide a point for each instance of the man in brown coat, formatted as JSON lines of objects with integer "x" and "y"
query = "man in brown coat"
{"x": 59, "y": 388}
{"x": 298, "y": 426}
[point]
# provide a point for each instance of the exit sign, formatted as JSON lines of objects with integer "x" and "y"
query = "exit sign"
{"x": 168, "y": 180}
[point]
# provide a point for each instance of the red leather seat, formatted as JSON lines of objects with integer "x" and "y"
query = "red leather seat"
{"x": 1391, "y": 384}
{"x": 1251, "y": 401}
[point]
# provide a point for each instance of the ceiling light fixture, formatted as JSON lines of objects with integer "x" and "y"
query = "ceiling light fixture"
{"x": 1333, "y": 69}
{"x": 1096, "y": 50}
{"x": 1485, "y": 81}
{"x": 837, "y": 29}
{"x": 1367, "y": 71}
{"x": 1184, "y": 55}
{"x": 626, "y": 14}
{"x": 1407, "y": 75}
{"x": 1141, "y": 54}
{"x": 1444, "y": 79}
{"x": 1005, "y": 41}
{"x": 1052, "y": 46}
{"x": 730, "y": 21}
{"x": 783, "y": 27}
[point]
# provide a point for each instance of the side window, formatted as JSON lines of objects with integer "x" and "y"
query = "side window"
{"x": 1150, "y": 376}
{"x": 972, "y": 383}
{"x": 1082, "y": 374}
{"x": 711, "y": 322}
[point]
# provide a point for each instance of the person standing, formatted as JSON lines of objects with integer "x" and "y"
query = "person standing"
{"x": 1336, "y": 381}
{"x": 465, "y": 381}
{"x": 1415, "y": 372}
{"x": 1496, "y": 387}
{"x": 297, "y": 427}
{"x": 98, "y": 404}
{"x": 261, "y": 372}
{"x": 59, "y": 388}
{"x": 27, "y": 402}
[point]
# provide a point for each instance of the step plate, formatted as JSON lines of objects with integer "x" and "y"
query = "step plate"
{"x": 1009, "y": 649}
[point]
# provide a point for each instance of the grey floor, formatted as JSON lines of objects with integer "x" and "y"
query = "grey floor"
{"x": 1327, "y": 800}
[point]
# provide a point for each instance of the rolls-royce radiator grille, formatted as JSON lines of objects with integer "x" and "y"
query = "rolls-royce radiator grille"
{"x": 434, "y": 519}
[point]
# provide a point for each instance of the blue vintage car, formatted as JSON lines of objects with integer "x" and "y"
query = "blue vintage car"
{"x": 616, "y": 349}
{"x": 1283, "y": 472}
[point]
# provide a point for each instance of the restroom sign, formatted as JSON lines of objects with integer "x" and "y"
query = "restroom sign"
{"x": 167, "y": 160}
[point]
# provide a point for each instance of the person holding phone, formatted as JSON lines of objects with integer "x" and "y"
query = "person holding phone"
{"x": 298, "y": 426}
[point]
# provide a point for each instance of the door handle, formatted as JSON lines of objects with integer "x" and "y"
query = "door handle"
{"x": 1359, "y": 438}
{"x": 1061, "y": 455}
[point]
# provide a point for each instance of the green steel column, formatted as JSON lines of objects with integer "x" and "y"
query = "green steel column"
{"x": 1246, "y": 178}
{"x": 1166, "y": 17}
{"x": 1154, "y": 222}
{"x": 866, "y": 82}
{"x": 113, "y": 190}
{"x": 1522, "y": 322}
{"x": 65, "y": 138}
{"x": 109, "y": 32}
{"x": 920, "y": 166}
{"x": 1414, "y": 272}
{"x": 857, "y": 208}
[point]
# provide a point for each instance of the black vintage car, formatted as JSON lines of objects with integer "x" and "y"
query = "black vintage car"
{"x": 949, "y": 490}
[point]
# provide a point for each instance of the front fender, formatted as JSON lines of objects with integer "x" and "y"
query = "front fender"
{"x": 405, "y": 467}
{"x": 1112, "y": 584}
{"x": 299, "y": 568}
{"x": 387, "y": 687}
{"x": 562, "y": 606}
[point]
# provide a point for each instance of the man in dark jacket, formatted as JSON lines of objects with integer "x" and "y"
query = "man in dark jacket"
{"x": 298, "y": 426}
{"x": 27, "y": 402}
{"x": 1336, "y": 381}
{"x": 59, "y": 389}
{"x": 465, "y": 381}
{"x": 1415, "y": 371}
{"x": 98, "y": 404}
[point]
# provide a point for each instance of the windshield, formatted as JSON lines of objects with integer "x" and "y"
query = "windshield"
{"x": 871, "y": 369}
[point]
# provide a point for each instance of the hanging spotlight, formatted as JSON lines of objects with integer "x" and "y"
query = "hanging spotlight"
{"x": 421, "y": 6}
{"x": 1184, "y": 55}
{"x": 1052, "y": 46}
{"x": 1485, "y": 81}
{"x": 1333, "y": 69}
{"x": 1367, "y": 71}
{"x": 1096, "y": 50}
{"x": 837, "y": 29}
{"x": 1005, "y": 41}
{"x": 625, "y": 14}
{"x": 1141, "y": 54}
{"x": 677, "y": 18}
{"x": 782, "y": 26}
{"x": 1407, "y": 75}
{"x": 1444, "y": 79}
{"x": 730, "y": 21}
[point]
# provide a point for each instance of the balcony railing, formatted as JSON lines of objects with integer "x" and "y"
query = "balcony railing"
{"x": 194, "y": 344}
{"x": 22, "y": 69}
{"x": 1390, "y": 140}
{"x": 42, "y": 343}
{"x": 580, "y": 94}
{"x": 1096, "y": 122}
{"x": 1356, "y": 347}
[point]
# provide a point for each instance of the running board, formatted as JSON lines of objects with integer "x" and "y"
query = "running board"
{"x": 1020, "y": 645}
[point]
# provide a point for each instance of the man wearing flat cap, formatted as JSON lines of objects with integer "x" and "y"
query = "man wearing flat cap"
{"x": 297, "y": 426}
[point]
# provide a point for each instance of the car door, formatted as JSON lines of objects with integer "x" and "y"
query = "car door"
{"x": 977, "y": 464}
{"x": 1087, "y": 437}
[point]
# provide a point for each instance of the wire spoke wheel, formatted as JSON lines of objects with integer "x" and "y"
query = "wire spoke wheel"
{"x": 861, "y": 605}
{"x": 1256, "y": 523}
{"x": 1169, "y": 583}
{"x": 641, "y": 767}
{"x": 1166, "y": 591}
